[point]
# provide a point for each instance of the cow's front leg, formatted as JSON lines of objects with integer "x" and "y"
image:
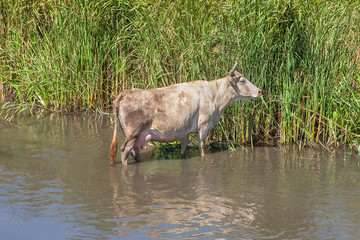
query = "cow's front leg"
{"x": 202, "y": 136}
{"x": 184, "y": 143}
{"x": 202, "y": 148}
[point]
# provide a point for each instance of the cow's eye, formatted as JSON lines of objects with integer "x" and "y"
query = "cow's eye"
{"x": 242, "y": 80}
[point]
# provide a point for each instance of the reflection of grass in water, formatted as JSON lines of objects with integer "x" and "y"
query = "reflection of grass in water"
{"x": 75, "y": 55}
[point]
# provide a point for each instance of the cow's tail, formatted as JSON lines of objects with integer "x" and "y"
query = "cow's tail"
{"x": 114, "y": 142}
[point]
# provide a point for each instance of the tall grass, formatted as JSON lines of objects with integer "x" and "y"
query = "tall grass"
{"x": 78, "y": 55}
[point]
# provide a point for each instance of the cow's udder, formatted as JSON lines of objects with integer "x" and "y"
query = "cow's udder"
{"x": 142, "y": 141}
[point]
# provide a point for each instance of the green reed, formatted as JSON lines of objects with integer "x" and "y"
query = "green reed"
{"x": 78, "y": 55}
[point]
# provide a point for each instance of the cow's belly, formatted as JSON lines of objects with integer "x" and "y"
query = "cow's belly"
{"x": 165, "y": 134}
{"x": 170, "y": 133}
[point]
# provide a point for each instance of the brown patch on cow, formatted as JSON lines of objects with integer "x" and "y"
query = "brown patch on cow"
{"x": 182, "y": 95}
{"x": 138, "y": 120}
{"x": 158, "y": 98}
{"x": 161, "y": 115}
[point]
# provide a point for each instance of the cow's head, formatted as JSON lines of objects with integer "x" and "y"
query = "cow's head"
{"x": 244, "y": 89}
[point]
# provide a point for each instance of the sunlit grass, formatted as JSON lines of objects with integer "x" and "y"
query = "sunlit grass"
{"x": 78, "y": 55}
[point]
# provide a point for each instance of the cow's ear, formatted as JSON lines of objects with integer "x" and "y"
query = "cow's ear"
{"x": 232, "y": 72}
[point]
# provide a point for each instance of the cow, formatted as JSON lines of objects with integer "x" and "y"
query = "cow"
{"x": 172, "y": 113}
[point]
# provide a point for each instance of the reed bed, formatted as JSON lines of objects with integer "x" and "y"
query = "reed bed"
{"x": 78, "y": 55}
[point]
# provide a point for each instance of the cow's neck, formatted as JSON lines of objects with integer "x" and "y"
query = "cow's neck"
{"x": 223, "y": 94}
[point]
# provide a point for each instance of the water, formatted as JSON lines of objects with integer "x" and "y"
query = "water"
{"x": 56, "y": 183}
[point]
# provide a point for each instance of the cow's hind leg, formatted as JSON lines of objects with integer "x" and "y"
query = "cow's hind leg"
{"x": 126, "y": 149}
{"x": 135, "y": 154}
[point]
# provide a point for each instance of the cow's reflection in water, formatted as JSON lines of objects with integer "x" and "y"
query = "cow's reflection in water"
{"x": 168, "y": 200}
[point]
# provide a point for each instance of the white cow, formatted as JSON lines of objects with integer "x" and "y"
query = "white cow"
{"x": 172, "y": 113}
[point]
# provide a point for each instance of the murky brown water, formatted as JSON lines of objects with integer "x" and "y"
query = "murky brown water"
{"x": 56, "y": 183}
